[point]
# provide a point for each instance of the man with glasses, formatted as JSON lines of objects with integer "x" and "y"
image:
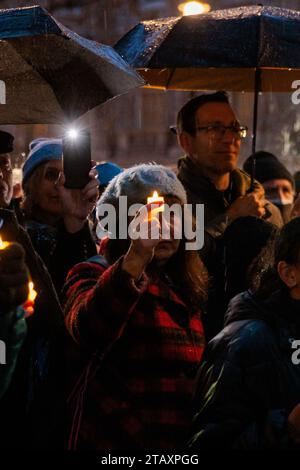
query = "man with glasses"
{"x": 211, "y": 135}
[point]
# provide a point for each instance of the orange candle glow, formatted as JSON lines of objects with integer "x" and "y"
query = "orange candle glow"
{"x": 3, "y": 244}
{"x": 29, "y": 304}
{"x": 156, "y": 199}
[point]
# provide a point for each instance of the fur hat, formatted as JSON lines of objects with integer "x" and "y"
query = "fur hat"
{"x": 40, "y": 151}
{"x": 139, "y": 182}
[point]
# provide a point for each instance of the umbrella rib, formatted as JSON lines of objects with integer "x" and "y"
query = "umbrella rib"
{"x": 43, "y": 79}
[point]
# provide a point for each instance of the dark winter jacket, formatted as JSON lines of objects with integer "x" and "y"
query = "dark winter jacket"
{"x": 59, "y": 249}
{"x": 248, "y": 383}
{"x": 32, "y": 407}
{"x": 201, "y": 190}
{"x": 12, "y": 334}
{"x": 150, "y": 343}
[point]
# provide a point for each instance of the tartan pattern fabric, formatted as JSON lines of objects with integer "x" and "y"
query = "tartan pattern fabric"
{"x": 139, "y": 395}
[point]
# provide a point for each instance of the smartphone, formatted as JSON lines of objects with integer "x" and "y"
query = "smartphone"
{"x": 77, "y": 159}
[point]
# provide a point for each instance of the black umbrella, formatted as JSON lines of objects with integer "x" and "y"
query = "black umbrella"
{"x": 251, "y": 48}
{"x": 50, "y": 74}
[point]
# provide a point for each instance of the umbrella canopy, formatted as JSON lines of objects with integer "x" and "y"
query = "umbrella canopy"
{"x": 50, "y": 74}
{"x": 219, "y": 50}
{"x": 251, "y": 48}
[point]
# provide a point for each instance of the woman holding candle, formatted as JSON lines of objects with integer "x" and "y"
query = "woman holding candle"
{"x": 137, "y": 311}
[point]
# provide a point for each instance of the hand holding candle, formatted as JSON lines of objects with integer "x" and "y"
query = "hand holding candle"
{"x": 14, "y": 276}
{"x": 142, "y": 247}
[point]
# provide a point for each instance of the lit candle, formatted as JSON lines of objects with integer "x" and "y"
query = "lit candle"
{"x": 29, "y": 304}
{"x": 3, "y": 244}
{"x": 156, "y": 199}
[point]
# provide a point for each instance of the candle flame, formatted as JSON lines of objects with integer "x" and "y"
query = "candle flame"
{"x": 32, "y": 293}
{"x": 3, "y": 244}
{"x": 156, "y": 199}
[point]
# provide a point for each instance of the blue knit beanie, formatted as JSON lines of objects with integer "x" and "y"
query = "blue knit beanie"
{"x": 107, "y": 171}
{"x": 40, "y": 151}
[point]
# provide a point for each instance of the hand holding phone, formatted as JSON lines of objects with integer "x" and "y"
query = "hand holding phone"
{"x": 77, "y": 159}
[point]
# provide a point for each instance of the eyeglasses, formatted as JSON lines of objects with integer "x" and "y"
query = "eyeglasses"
{"x": 218, "y": 131}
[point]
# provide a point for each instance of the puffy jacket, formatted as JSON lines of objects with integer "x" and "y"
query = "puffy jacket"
{"x": 247, "y": 382}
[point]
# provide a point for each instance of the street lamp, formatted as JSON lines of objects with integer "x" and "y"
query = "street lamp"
{"x": 193, "y": 8}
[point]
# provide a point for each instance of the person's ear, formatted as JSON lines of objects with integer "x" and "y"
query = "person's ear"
{"x": 287, "y": 274}
{"x": 186, "y": 142}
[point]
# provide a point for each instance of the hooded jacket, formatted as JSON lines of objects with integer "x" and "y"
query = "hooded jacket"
{"x": 249, "y": 379}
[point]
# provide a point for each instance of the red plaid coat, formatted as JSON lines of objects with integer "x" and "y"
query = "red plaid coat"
{"x": 138, "y": 395}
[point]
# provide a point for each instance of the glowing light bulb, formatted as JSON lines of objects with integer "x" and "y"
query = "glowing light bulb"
{"x": 193, "y": 8}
